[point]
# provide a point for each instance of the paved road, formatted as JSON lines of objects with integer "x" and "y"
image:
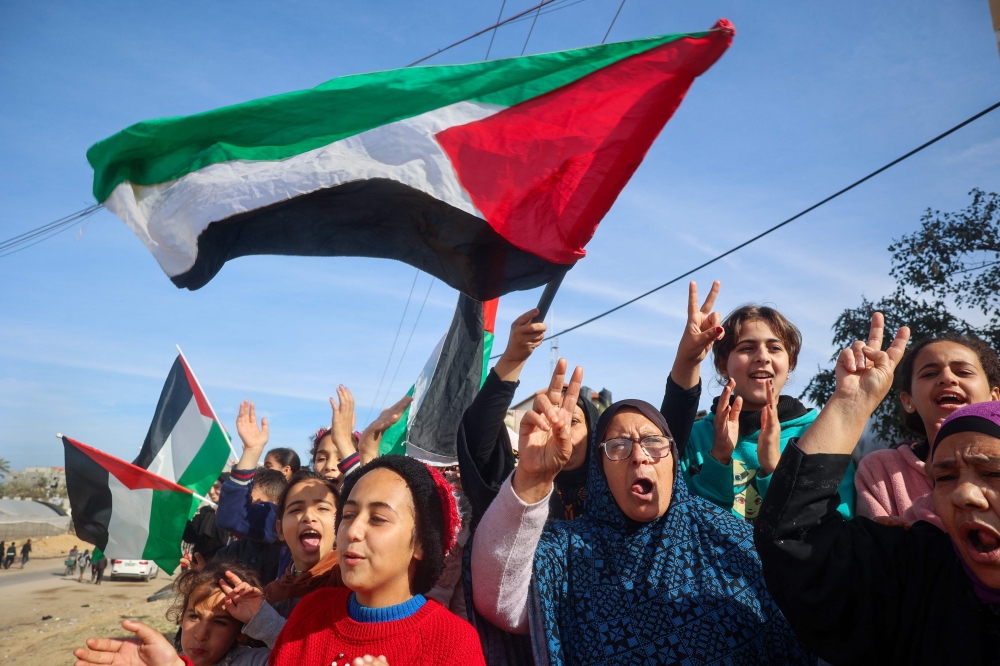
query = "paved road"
{"x": 34, "y": 570}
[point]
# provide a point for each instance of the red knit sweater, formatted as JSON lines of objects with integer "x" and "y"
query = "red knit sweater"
{"x": 320, "y": 631}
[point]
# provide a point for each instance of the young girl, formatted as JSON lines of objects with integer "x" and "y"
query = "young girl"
{"x": 306, "y": 522}
{"x": 207, "y": 633}
{"x": 397, "y": 520}
{"x": 730, "y": 454}
{"x": 284, "y": 460}
{"x": 936, "y": 378}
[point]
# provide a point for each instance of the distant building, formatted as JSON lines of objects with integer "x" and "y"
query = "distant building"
{"x": 602, "y": 400}
{"x": 55, "y": 478}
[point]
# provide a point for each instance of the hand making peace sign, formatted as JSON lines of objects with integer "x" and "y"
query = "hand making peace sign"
{"x": 703, "y": 329}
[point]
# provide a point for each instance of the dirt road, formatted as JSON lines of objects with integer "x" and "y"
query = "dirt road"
{"x": 78, "y": 611}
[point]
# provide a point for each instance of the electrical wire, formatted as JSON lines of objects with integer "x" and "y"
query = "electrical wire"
{"x": 777, "y": 226}
{"x": 385, "y": 401}
{"x": 393, "y": 348}
{"x": 613, "y": 22}
{"x": 493, "y": 36}
{"x": 530, "y": 30}
{"x": 22, "y": 240}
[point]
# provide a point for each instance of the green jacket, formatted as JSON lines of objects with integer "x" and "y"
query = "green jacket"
{"x": 738, "y": 486}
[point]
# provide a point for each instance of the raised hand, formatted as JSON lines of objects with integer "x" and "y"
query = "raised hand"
{"x": 864, "y": 376}
{"x": 342, "y": 423}
{"x": 769, "y": 441}
{"x": 151, "y": 649}
{"x": 525, "y": 337}
{"x": 243, "y": 600}
{"x": 727, "y": 425}
{"x": 864, "y": 372}
{"x": 372, "y": 436}
{"x": 545, "y": 436}
{"x": 254, "y": 438}
{"x": 198, "y": 564}
{"x": 703, "y": 329}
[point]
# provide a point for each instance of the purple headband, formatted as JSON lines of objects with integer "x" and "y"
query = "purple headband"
{"x": 981, "y": 417}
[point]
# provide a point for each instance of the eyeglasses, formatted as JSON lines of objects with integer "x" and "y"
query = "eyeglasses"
{"x": 620, "y": 448}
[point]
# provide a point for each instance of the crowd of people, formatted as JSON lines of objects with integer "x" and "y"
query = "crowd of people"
{"x": 635, "y": 535}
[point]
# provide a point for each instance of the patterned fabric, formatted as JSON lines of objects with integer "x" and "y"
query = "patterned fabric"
{"x": 686, "y": 588}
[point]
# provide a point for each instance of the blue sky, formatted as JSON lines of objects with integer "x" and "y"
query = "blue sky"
{"x": 810, "y": 97}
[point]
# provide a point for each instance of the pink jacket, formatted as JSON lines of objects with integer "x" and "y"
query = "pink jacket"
{"x": 889, "y": 482}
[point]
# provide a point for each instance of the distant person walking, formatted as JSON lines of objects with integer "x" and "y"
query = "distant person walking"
{"x": 82, "y": 562}
{"x": 25, "y": 552}
{"x": 71, "y": 561}
{"x": 101, "y": 565}
{"x": 11, "y": 554}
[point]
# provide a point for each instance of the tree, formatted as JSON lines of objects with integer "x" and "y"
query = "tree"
{"x": 4, "y": 468}
{"x": 954, "y": 260}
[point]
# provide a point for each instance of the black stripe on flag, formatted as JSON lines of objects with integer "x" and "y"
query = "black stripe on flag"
{"x": 174, "y": 399}
{"x": 378, "y": 218}
{"x": 454, "y": 383}
{"x": 89, "y": 496}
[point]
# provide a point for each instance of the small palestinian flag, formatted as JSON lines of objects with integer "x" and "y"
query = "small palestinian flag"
{"x": 490, "y": 176}
{"x": 185, "y": 443}
{"x": 125, "y": 511}
{"x": 446, "y": 387}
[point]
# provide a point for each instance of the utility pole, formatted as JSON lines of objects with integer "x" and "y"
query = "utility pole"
{"x": 553, "y": 345}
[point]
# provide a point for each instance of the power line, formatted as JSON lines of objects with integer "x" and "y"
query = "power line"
{"x": 388, "y": 392}
{"x": 779, "y": 225}
{"x": 493, "y": 36}
{"x": 393, "y": 348}
{"x": 613, "y": 22}
{"x": 46, "y": 231}
{"x": 530, "y": 30}
{"x": 483, "y": 31}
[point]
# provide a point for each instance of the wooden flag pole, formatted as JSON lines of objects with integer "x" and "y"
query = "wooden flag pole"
{"x": 215, "y": 416}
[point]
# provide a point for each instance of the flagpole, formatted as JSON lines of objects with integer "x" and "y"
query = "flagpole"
{"x": 548, "y": 295}
{"x": 215, "y": 416}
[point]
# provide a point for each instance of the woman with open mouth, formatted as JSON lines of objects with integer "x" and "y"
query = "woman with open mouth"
{"x": 649, "y": 574}
{"x": 936, "y": 378}
{"x": 860, "y": 592}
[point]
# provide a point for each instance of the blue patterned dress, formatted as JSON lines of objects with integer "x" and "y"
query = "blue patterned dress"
{"x": 686, "y": 588}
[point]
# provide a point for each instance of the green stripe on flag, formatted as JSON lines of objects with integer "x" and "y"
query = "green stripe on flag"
{"x": 487, "y": 352}
{"x": 169, "y": 515}
{"x": 394, "y": 439}
{"x": 278, "y": 127}
{"x": 204, "y": 470}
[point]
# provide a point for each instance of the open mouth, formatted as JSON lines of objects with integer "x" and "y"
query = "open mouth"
{"x": 982, "y": 542}
{"x": 310, "y": 540}
{"x": 762, "y": 376}
{"x": 950, "y": 400}
{"x": 642, "y": 489}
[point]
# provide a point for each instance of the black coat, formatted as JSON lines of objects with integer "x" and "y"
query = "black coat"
{"x": 859, "y": 592}
{"x": 259, "y": 556}
{"x": 204, "y": 534}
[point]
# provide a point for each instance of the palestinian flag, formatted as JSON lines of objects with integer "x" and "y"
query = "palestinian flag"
{"x": 124, "y": 510}
{"x": 490, "y": 176}
{"x": 446, "y": 387}
{"x": 185, "y": 444}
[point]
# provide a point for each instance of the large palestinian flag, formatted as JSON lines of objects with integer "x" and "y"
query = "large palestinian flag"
{"x": 491, "y": 176}
{"x": 125, "y": 511}
{"x": 185, "y": 443}
{"x": 446, "y": 387}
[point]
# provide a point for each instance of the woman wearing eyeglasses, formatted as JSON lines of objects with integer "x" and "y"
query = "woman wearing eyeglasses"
{"x": 649, "y": 574}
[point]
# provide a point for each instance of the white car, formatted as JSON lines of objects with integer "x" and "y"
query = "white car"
{"x": 144, "y": 569}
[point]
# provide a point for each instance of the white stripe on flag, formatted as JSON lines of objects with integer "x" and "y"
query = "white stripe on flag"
{"x": 183, "y": 443}
{"x": 170, "y": 216}
{"x": 128, "y": 528}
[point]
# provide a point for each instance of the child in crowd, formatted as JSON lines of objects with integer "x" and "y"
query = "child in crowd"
{"x": 306, "y": 514}
{"x": 397, "y": 521}
{"x": 730, "y": 454}
{"x": 283, "y": 460}
{"x": 268, "y": 486}
{"x": 937, "y": 377}
{"x": 207, "y": 632}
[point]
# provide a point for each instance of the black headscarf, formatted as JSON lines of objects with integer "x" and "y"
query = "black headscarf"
{"x": 570, "y": 490}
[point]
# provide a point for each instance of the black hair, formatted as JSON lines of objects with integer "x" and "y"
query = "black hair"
{"x": 271, "y": 482}
{"x": 428, "y": 516}
{"x": 301, "y": 476}
{"x": 904, "y": 374}
{"x": 286, "y": 458}
{"x": 316, "y": 438}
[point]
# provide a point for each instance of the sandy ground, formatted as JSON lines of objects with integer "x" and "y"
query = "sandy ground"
{"x": 53, "y": 546}
{"x": 78, "y": 611}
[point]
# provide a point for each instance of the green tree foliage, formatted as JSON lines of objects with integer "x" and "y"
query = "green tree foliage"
{"x": 4, "y": 467}
{"x": 950, "y": 265}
